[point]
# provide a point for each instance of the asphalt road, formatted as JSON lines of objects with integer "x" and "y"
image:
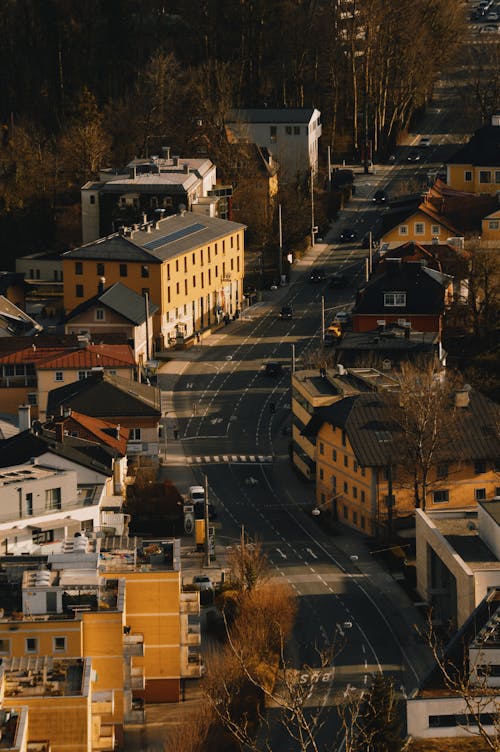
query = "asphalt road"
{"x": 222, "y": 405}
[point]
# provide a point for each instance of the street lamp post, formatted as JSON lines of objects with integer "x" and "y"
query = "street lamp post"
{"x": 312, "y": 208}
{"x": 280, "y": 250}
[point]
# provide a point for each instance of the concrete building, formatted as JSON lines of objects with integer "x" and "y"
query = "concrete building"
{"x": 439, "y": 708}
{"x": 152, "y": 187}
{"x": 291, "y": 135}
{"x": 458, "y": 559}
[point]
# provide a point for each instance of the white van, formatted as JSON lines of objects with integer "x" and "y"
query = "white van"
{"x": 196, "y": 493}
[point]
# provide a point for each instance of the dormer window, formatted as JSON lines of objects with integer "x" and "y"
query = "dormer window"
{"x": 394, "y": 299}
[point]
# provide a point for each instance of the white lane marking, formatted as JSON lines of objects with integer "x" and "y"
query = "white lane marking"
{"x": 283, "y": 556}
{"x": 309, "y": 551}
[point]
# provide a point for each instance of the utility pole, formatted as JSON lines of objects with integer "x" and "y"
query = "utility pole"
{"x": 371, "y": 252}
{"x": 322, "y": 319}
{"x": 146, "y": 307}
{"x": 312, "y": 207}
{"x": 329, "y": 169}
{"x": 207, "y": 541}
{"x": 293, "y": 358}
{"x": 280, "y": 250}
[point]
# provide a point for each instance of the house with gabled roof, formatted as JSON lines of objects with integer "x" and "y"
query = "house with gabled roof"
{"x": 475, "y": 167}
{"x": 362, "y": 478}
{"x": 191, "y": 266}
{"x": 116, "y": 309}
{"x": 27, "y": 374}
{"x": 490, "y": 229}
{"x": 130, "y": 404}
{"x": 409, "y": 294}
{"x": 422, "y": 225}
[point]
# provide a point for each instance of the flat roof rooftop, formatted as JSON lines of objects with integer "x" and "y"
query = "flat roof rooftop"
{"x": 463, "y": 536}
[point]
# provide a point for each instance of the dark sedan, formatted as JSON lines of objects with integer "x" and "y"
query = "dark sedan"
{"x": 347, "y": 235}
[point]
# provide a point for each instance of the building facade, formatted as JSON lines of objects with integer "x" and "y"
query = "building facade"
{"x": 191, "y": 266}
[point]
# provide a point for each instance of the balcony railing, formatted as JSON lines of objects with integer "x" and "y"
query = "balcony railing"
{"x": 106, "y": 739}
{"x": 133, "y": 645}
{"x": 190, "y": 603}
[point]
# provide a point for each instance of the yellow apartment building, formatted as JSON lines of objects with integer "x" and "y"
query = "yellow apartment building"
{"x": 189, "y": 265}
{"x": 423, "y": 225}
{"x": 360, "y": 479}
{"x": 475, "y": 167}
{"x": 124, "y": 608}
{"x": 313, "y": 389}
{"x": 55, "y": 702}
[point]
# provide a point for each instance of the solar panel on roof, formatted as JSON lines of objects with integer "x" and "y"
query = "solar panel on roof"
{"x": 177, "y": 235}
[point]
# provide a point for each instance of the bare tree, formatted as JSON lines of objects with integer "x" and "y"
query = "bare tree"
{"x": 421, "y": 416}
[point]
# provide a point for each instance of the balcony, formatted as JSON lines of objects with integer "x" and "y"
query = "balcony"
{"x": 137, "y": 679}
{"x": 191, "y": 663}
{"x": 104, "y": 739}
{"x": 103, "y": 703}
{"x": 190, "y": 603}
{"x": 192, "y": 636}
{"x": 135, "y": 716}
{"x": 133, "y": 645}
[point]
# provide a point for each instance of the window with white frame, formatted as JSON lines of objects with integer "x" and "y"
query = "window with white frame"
{"x": 493, "y": 224}
{"x": 59, "y": 376}
{"x": 4, "y": 647}
{"x": 135, "y": 434}
{"x": 59, "y": 644}
{"x": 480, "y": 494}
{"x": 485, "y": 176}
{"x": 100, "y": 314}
{"x": 419, "y": 228}
{"x": 435, "y": 229}
{"x": 31, "y": 645}
{"x": 394, "y": 299}
{"x": 441, "y": 497}
{"x": 83, "y": 375}
{"x": 468, "y": 176}
{"x": 403, "y": 229}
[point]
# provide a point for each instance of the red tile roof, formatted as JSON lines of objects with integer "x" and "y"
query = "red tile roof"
{"x": 48, "y": 358}
{"x": 96, "y": 427}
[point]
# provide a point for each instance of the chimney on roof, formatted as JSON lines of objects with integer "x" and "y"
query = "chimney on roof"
{"x": 185, "y": 167}
{"x": 117, "y": 431}
{"x": 59, "y": 429}
{"x": 144, "y": 218}
{"x": 165, "y": 150}
{"x": 175, "y": 161}
{"x": 133, "y": 172}
{"x": 24, "y": 417}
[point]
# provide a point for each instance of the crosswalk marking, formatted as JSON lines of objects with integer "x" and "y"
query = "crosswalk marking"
{"x": 240, "y": 459}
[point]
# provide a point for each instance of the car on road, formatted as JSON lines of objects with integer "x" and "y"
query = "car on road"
{"x": 425, "y": 142}
{"x": 202, "y": 582}
{"x": 342, "y": 317}
{"x": 492, "y": 16}
{"x": 347, "y": 235}
{"x": 195, "y": 494}
{"x": 286, "y": 312}
{"x": 338, "y": 280}
{"x": 317, "y": 275}
{"x": 379, "y": 197}
{"x": 414, "y": 156}
{"x": 273, "y": 368}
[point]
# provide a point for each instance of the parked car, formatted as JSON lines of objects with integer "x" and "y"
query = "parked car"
{"x": 425, "y": 142}
{"x": 195, "y": 494}
{"x": 379, "y": 197}
{"x": 273, "y": 368}
{"x": 338, "y": 280}
{"x": 317, "y": 275}
{"x": 332, "y": 335}
{"x": 342, "y": 317}
{"x": 202, "y": 582}
{"x": 286, "y": 312}
{"x": 347, "y": 235}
